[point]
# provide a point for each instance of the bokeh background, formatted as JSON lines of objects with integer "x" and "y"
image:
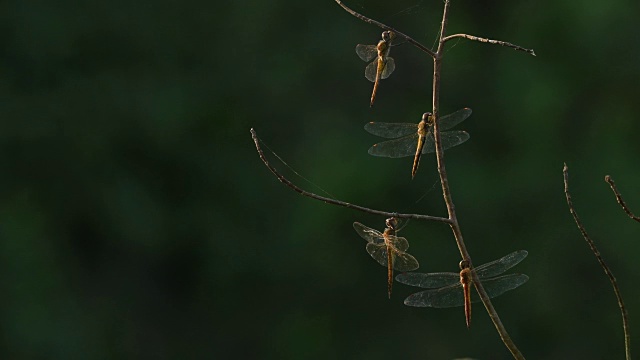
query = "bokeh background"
{"x": 136, "y": 220}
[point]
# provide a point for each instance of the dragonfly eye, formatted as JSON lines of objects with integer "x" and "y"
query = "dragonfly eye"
{"x": 387, "y": 35}
{"x": 392, "y": 223}
{"x": 426, "y": 117}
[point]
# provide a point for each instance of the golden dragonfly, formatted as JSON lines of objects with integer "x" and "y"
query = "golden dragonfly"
{"x": 449, "y": 289}
{"x": 417, "y": 139}
{"x": 382, "y": 66}
{"x": 388, "y": 249}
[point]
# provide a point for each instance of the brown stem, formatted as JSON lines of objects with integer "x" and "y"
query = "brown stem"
{"x": 489, "y": 41}
{"x": 594, "y": 249}
{"x": 327, "y": 200}
{"x": 620, "y": 199}
{"x": 446, "y": 192}
{"x": 386, "y": 27}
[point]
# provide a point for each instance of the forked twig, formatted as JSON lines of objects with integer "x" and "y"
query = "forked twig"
{"x": 386, "y": 27}
{"x": 327, "y": 200}
{"x": 594, "y": 249}
{"x": 489, "y": 41}
{"x": 609, "y": 180}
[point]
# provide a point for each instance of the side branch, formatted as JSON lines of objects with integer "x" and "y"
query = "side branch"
{"x": 594, "y": 249}
{"x": 327, "y": 200}
{"x": 489, "y": 41}
{"x": 385, "y": 27}
{"x": 609, "y": 180}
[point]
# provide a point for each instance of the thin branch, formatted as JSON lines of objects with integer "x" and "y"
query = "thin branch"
{"x": 327, "y": 200}
{"x": 446, "y": 193}
{"x": 594, "y": 249}
{"x": 619, "y": 198}
{"x": 386, "y": 27}
{"x": 489, "y": 41}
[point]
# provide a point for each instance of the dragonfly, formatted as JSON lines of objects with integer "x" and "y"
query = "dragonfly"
{"x": 382, "y": 66}
{"x": 388, "y": 249}
{"x": 417, "y": 139}
{"x": 449, "y": 289}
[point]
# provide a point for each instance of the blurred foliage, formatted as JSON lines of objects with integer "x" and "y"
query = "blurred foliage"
{"x": 136, "y": 220}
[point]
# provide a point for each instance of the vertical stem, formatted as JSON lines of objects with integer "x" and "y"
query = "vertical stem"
{"x": 446, "y": 192}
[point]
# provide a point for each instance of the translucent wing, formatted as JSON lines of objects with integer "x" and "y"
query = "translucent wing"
{"x": 391, "y": 130}
{"x": 370, "y": 71}
{"x": 389, "y": 66}
{"x": 404, "y": 262}
{"x": 378, "y": 252}
{"x": 404, "y": 146}
{"x": 449, "y": 139}
{"x": 452, "y": 295}
{"x": 501, "y": 265}
{"x": 366, "y": 52}
{"x": 430, "y": 280}
{"x": 453, "y": 119}
{"x": 369, "y": 234}
{"x": 399, "y": 243}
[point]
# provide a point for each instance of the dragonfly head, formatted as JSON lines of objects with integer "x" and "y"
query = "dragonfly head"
{"x": 426, "y": 117}
{"x": 392, "y": 223}
{"x": 464, "y": 264}
{"x": 388, "y": 35}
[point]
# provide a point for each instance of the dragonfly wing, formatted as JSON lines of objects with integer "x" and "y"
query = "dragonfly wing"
{"x": 499, "y": 285}
{"x": 405, "y": 146}
{"x": 448, "y": 296}
{"x": 378, "y": 252}
{"x": 389, "y": 67}
{"x": 429, "y": 280}
{"x": 404, "y": 262}
{"x": 453, "y": 119}
{"x": 370, "y": 71}
{"x": 369, "y": 234}
{"x": 501, "y": 265}
{"x": 449, "y": 139}
{"x": 366, "y": 52}
{"x": 391, "y": 130}
{"x": 399, "y": 243}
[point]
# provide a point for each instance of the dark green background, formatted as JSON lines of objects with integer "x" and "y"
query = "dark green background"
{"x": 136, "y": 220}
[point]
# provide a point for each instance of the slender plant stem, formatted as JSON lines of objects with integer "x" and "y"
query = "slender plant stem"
{"x": 489, "y": 41}
{"x": 619, "y": 198}
{"x": 386, "y": 27}
{"x": 594, "y": 249}
{"x": 446, "y": 191}
{"x": 327, "y": 200}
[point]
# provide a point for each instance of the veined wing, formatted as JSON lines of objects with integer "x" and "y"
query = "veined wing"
{"x": 453, "y": 119}
{"x": 449, "y": 139}
{"x": 399, "y": 243}
{"x": 452, "y": 295}
{"x": 391, "y": 130}
{"x": 404, "y": 146}
{"x": 389, "y": 67}
{"x": 429, "y": 280}
{"x": 366, "y": 52}
{"x": 401, "y": 260}
{"x": 501, "y": 265}
{"x": 372, "y": 236}
{"x": 370, "y": 71}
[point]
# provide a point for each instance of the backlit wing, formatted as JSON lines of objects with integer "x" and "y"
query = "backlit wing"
{"x": 453, "y": 119}
{"x": 449, "y": 139}
{"x": 404, "y": 146}
{"x": 430, "y": 280}
{"x": 501, "y": 265}
{"x": 372, "y": 236}
{"x": 404, "y": 262}
{"x": 370, "y": 71}
{"x": 389, "y": 67}
{"x": 366, "y": 52}
{"x": 391, "y": 130}
{"x": 378, "y": 252}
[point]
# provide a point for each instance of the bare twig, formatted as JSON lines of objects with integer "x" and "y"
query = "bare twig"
{"x": 327, "y": 200}
{"x": 446, "y": 192}
{"x": 620, "y": 199}
{"x": 489, "y": 41}
{"x": 386, "y": 27}
{"x": 594, "y": 249}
